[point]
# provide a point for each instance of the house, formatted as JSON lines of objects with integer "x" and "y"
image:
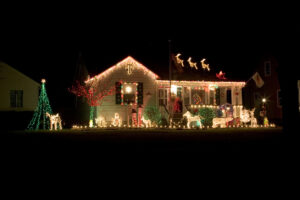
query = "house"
{"x": 137, "y": 87}
{"x": 267, "y": 93}
{"x": 18, "y": 91}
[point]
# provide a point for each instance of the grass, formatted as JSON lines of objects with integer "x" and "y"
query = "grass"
{"x": 124, "y": 140}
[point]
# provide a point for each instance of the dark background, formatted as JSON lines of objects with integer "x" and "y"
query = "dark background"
{"x": 44, "y": 41}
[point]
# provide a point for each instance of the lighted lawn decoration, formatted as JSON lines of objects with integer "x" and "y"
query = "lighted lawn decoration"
{"x": 100, "y": 121}
{"x": 191, "y": 118}
{"x": 54, "y": 120}
{"x": 42, "y": 108}
{"x": 245, "y": 116}
{"x": 117, "y": 121}
{"x": 93, "y": 96}
{"x": 147, "y": 122}
{"x": 252, "y": 118}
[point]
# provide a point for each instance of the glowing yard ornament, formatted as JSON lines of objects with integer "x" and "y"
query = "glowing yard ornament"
{"x": 54, "y": 120}
{"x": 40, "y": 112}
{"x": 221, "y": 75}
{"x": 129, "y": 67}
{"x": 245, "y": 117}
{"x": 252, "y": 118}
{"x": 178, "y": 60}
{"x": 192, "y": 64}
{"x": 146, "y": 122}
{"x": 116, "y": 121}
{"x": 100, "y": 121}
{"x": 205, "y": 66}
{"x": 191, "y": 119}
{"x": 222, "y": 121}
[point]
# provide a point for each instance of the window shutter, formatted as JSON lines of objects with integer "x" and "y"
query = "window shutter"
{"x": 218, "y": 102}
{"x": 118, "y": 92}
{"x": 140, "y": 93}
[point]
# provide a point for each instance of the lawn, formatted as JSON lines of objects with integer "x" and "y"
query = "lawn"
{"x": 153, "y": 140}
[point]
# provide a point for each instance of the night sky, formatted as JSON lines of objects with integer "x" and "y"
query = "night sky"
{"x": 46, "y": 43}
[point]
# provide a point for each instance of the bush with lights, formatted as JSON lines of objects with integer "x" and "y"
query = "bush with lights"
{"x": 207, "y": 115}
{"x": 153, "y": 113}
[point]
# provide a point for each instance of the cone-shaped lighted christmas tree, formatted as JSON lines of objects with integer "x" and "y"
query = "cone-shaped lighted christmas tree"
{"x": 42, "y": 108}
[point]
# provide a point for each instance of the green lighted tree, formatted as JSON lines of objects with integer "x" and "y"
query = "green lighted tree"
{"x": 208, "y": 114}
{"x": 42, "y": 108}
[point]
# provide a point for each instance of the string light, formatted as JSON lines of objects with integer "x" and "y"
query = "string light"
{"x": 42, "y": 108}
{"x": 178, "y": 60}
{"x": 204, "y": 66}
{"x": 192, "y": 64}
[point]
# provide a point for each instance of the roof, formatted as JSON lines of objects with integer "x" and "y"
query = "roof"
{"x": 129, "y": 59}
{"x": 18, "y": 72}
{"x": 188, "y": 74}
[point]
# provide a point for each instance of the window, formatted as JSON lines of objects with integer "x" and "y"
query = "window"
{"x": 163, "y": 97}
{"x": 198, "y": 96}
{"x": 279, "y": 98}
{"x": 16, "y": 98}
{"x": 267, "y": 68}
{"x": 228, "y": 96}
{"x": 129, "y": 93}
{"x": 186, "y": 95}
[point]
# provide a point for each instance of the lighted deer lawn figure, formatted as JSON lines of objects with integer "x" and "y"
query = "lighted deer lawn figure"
{"x": 54, "y": 120}
{"x": 191, "y": 119}
{"x": 146, "y": 122}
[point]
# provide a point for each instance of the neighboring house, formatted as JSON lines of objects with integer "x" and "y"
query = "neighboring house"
{"x": 138, "y": 87}
{"x": 18, "y": 91}
{"x": 270, "y": 90}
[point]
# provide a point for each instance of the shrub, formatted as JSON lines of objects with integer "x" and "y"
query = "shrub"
{"x": 153, "y": 113}
{"x": 207, "y": 115}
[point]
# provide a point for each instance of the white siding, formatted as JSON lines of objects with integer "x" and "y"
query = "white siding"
{"x": 11, "y": 79}
{"x": 119, "y": 73}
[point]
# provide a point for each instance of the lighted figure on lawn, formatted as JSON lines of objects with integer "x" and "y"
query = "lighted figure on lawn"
{"x": 191, "y": 118}
{"x": 221, "y": 121}
{"x": 205, "y": 66}
{"x": 94, "y": 97}
{"x": 40, "y": 112}
{"x": 54, "y": 120}
{"x": 100, "y": 121}
{"x": 117, "y": 121}
{"x": 192, "y": 64}
{"x": 245, "y": 116}
{"x": 147, "y": 122}
{"x": 266, "y": 122}
{"x": 252, "y": 118}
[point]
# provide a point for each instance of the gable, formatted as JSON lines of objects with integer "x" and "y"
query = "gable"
{"x": 8, "y": 73}
{"x": 126, "y": 69}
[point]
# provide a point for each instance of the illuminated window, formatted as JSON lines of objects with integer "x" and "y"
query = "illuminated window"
{"x": 129, "y": 93}
{"x": 198, "y": 96}
{"x": 267, "y": 68}
{"x": 16, "y": 98}
{"x": 163, "y": 97}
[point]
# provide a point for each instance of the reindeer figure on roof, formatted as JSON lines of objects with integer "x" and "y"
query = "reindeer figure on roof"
{"x": 192, "y": 64}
